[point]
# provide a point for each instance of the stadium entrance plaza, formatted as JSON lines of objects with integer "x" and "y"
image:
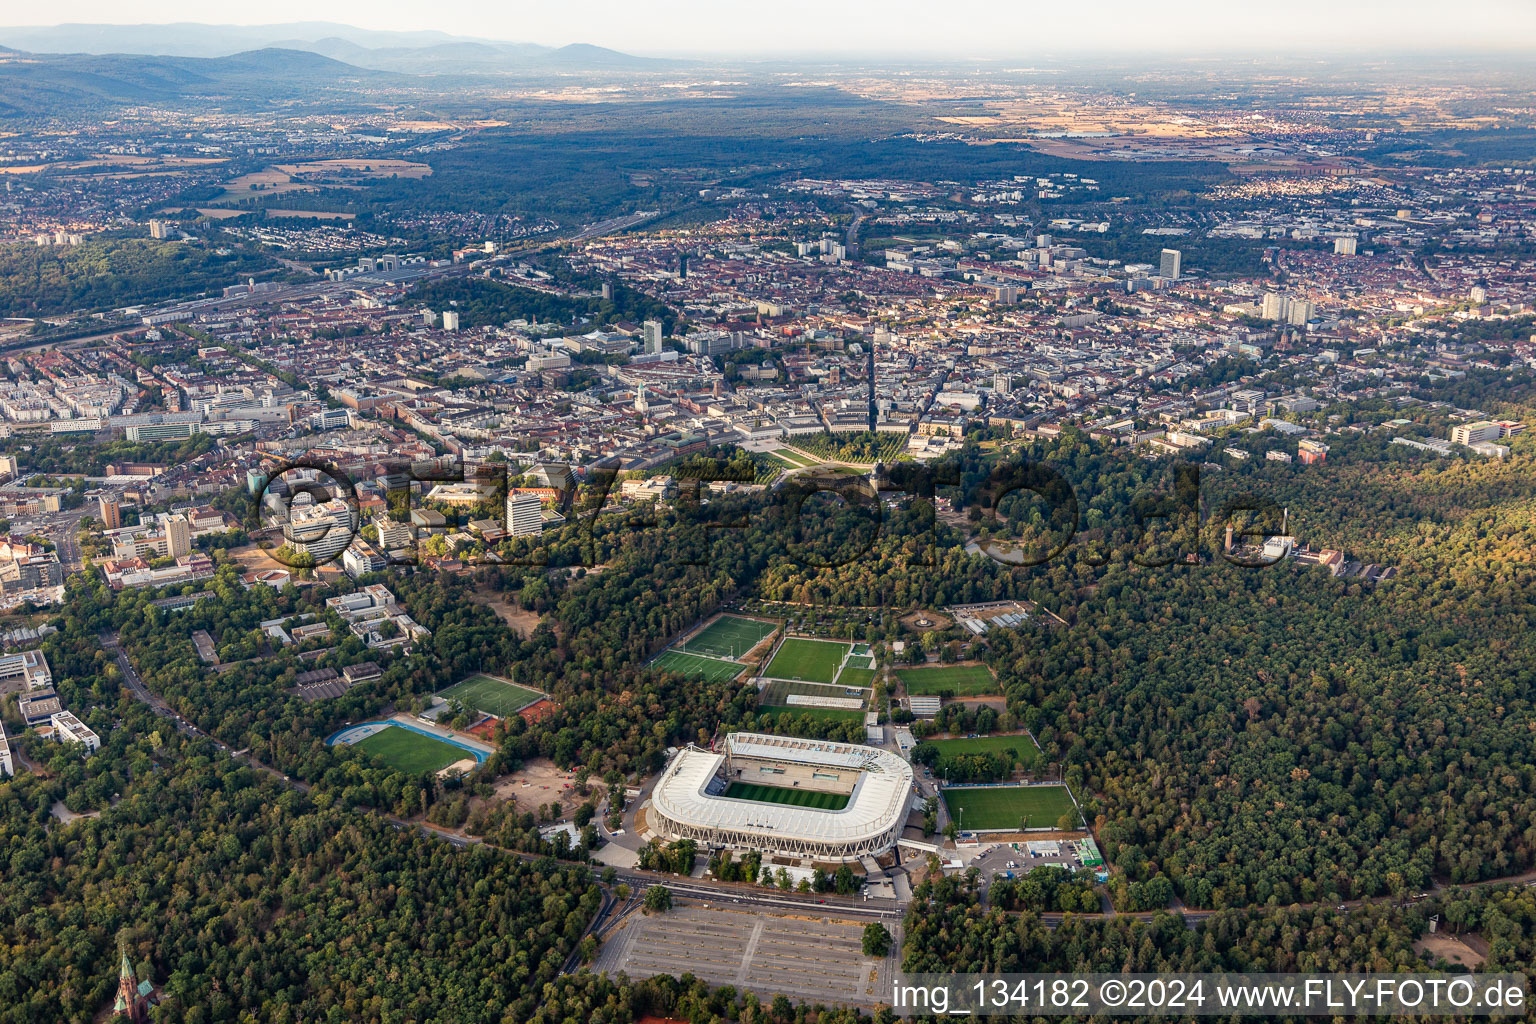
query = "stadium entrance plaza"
{"x": 810, "y": 958}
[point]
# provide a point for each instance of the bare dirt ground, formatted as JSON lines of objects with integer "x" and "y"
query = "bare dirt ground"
{"x": 538, "y": 782}
{"x": 1456, "y": 949}
{"x": 520, "y": 620}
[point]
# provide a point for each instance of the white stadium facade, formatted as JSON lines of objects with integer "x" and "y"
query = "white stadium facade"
{"x": 689, "y": 802}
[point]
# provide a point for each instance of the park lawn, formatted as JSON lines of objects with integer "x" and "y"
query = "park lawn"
{"x": 814, "y": 660}
{"x": 1029, "y": 753}
{"x": 964, "y": 680}
{"x": 491, "y": 696}
{"x": 411, "y": 752}
{"x": 1005, "y": 807}
{"x": 728, "y": 637}
{"x": 694, "y": 666}
{"x": 786, "y": 795}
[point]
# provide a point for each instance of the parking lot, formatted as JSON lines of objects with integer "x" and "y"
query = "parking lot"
{"x": 814, "y": 959}
{"x": 996, "y": 860}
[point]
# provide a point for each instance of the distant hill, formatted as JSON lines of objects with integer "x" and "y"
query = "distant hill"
{"x": 427, "y": 52}
{"x": 33, "y": 83}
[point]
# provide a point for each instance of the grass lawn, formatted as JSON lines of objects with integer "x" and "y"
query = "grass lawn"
{"x": 411, "y": 751}
{"x": 712, "y": 669}
{"x": 856, "y": 677}
{"x": 728, "y": 637}
{"x": 787, "y": 795}
{"x": 792, "y": 457}
{"x": 1028, "y": 752}
{"x": 824, "y": 714}
{"x": 815, "y": 660}
{"x": 490, "y": 695}
{"x": 1006, "y": 806}
{"x": 964, "y": 680}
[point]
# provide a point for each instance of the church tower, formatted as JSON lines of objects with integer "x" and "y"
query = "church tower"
{"x": 129, "y": 1004}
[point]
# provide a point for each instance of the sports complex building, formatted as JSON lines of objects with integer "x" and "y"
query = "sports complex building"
{"x": 785, "y": 795}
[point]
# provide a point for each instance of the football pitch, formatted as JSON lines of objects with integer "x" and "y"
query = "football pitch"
{"x": 814, "y": 660}
{"x": 727, "y": 637}
{"x": 852, "y": 676}
{"x": 1006, "y": 807}
{"x": 785, "y": 795}
{"x": 995, "y": 743}
{"x": 491, "y": 696}
{"x": 411, "y": 751}
{"x": 963, "y": 680}
{"x": 694, "y": 666}
{"x": 822, "y": 714}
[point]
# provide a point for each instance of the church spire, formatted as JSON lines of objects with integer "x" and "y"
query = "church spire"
{"x": 129, "y": 1003}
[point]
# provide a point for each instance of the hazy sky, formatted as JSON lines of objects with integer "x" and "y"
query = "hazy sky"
{"x": 1011, "y": 28}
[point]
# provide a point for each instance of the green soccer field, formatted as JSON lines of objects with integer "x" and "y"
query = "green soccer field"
{"x": 1029, "y": 753}
{"x": 796, "y": 712}
{"x": 1005, "y": 807}
{"x": 696, "y": 667}
{"x": 491, "y": 696}
{"x": 815, "y": 660}
{"x": 851, "y": 676}
{"x": 964, "y": 680}
{"x": 410, "y": 751}
{"x": 728, "y": 637}
{"x": 787, "y": 795}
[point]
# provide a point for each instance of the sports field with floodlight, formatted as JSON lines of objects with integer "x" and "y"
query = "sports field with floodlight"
{"x": 713, "y": 669}
{"x": 729, "y": 636}
{"x": 962, "y": 680}
{"x": 814, "y": 660}
{"x": 1007, "y": 807}
{"x": 491, "y": 696}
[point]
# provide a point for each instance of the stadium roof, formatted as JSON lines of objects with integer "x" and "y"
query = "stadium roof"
{"x": 879, "y": 798}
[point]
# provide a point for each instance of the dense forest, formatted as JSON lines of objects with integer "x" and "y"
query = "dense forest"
{"x": 482, "y": 303}
{"x": 54, "y": 457}
{"x": 39, "y": 280}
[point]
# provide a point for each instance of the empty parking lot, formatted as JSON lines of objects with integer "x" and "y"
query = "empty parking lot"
{"x": 810, "y": 959}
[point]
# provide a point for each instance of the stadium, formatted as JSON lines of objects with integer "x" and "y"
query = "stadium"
{"x": 812, "y": 799}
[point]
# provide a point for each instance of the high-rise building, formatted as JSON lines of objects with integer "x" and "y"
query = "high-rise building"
{"x": 651, "y": 333}
{"x": 525, "y": 515}
{"x": 111, "y": 514}
{"x": 1172, "y": 264}
{"x": 1345, "y": 246}
{"x": 160, "y": 229}
{"x": 321, "y": 531}
{"x": 178, "y": 536}
{"x": 6, "y": 768}
{"x": 450, "y": 320}
{"x": 1002, "y": 383}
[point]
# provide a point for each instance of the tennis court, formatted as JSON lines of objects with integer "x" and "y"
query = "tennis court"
{"x": 814, "y": 660}
{"x": 729, "y": 636}
{"x": 785, "y": 795}
{"x": 490, "y": 695}
{"x": 695, "y": 667}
